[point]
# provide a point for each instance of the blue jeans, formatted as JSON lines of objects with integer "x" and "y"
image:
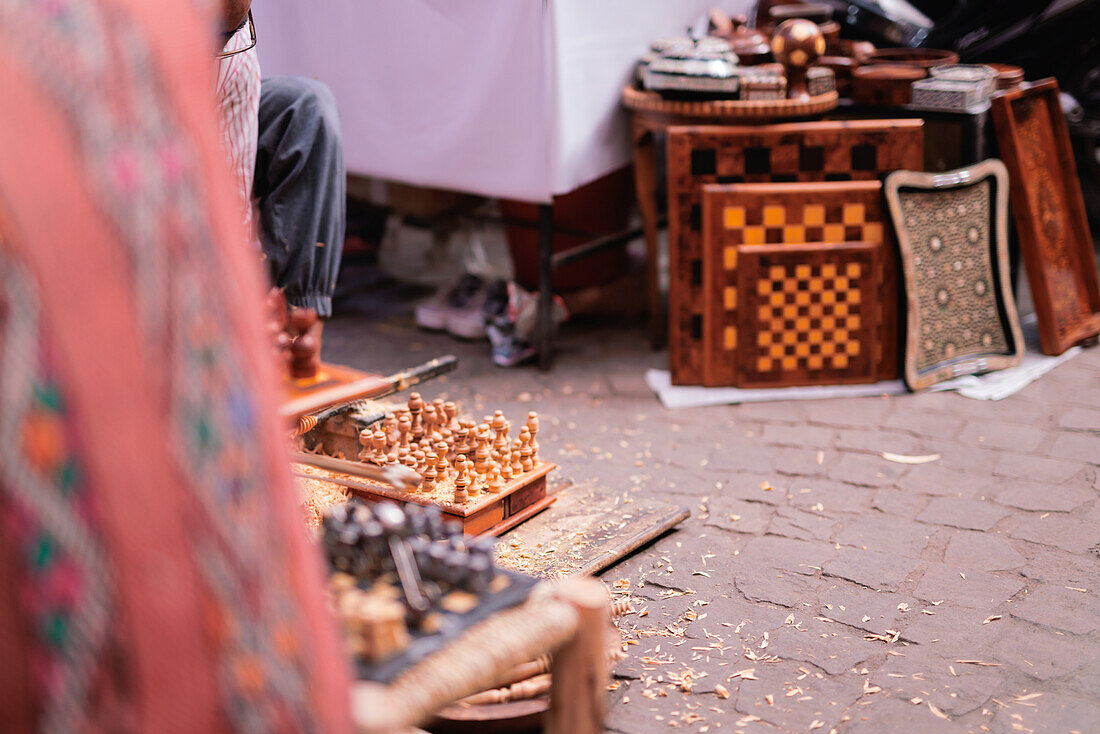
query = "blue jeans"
{"x": 301, "y": 189}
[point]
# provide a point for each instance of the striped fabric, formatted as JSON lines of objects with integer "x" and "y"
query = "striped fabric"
{"x": 238, "y": 95}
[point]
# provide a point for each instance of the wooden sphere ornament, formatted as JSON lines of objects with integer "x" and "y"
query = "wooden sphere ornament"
{"x": 797, "y": 43}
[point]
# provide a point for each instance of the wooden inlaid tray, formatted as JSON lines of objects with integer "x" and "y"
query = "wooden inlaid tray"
{"x": 784, "y": 153}
{"x": 809, "y": 314}
{"x": 790, "y": 214}
{"x": 1050, "y": 214}
{"x": 952, "y": 234}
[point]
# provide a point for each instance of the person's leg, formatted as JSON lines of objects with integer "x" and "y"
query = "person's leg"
{"x": 300, "y": 186}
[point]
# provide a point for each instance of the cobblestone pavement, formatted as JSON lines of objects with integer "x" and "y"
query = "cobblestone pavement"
{"x": 818, "y": 586}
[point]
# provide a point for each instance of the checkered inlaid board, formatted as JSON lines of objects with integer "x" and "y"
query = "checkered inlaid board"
{"x": 789, "y": 214}
{"x": 784, "y": 153}
{"x": 808, "y": 313}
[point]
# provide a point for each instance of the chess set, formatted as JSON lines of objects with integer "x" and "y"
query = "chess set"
{"x": 406, "y": 581}
{"x": 783, "y": 185}
{"x": 483, "y": 476}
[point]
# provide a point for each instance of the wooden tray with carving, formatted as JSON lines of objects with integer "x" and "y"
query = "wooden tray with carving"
{"x": 1049, "y": 211}
{"x": 641, "y": 100}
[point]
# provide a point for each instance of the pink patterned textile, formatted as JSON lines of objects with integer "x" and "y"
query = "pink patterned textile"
{"x": 154, "y": 571}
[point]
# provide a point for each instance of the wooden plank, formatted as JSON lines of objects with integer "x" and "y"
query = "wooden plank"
{"x": 587, "y": 532}
{"x": 1055, "y": 240}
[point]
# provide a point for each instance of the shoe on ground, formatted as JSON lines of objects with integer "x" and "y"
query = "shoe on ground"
{"x": 457, "y": 310}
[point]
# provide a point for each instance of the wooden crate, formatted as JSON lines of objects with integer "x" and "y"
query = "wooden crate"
{"x": 782, "y": 153}
{"x": 792, "y": 215}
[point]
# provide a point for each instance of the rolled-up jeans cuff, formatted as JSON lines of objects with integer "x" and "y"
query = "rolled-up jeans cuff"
{"x": 319, "y": 302}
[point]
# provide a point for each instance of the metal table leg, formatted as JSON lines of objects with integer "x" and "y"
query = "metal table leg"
{"x": 545, "y": 320}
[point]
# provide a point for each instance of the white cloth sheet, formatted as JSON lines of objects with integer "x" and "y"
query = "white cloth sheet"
{"x": 508, "y": 98}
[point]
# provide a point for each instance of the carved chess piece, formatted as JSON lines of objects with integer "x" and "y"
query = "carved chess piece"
{"x": 533, "y": 427}
{"x": 450, "y": 410}
{"x": 527, "y": 456}
{"x": 482, "y": 457}
{"x": 427, "y": 418}
{"x": 506, "y": 467}
{"x": 404, "y": 428}
{"x": 517, "y": 460}
{"x": 389, "y": 425}
{"x": 366, "y": 441}
{"x": 430, "y": 473}
{"x": 305, "y": 349}
{"x": 378, "y": 446}
{"x": 442, "y": 468}
{"x": 500, "y": 428}
{"x": 416, "y": 406}
{"x": 462, "y": 480}
{"x": 496, "y": 482}
{"x": 797, "y": 43}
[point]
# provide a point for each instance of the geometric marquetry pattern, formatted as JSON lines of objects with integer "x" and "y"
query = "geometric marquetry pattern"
{"x": 808, "y": 314}
{"x": 789, "y": 214}
{"x": 858, "y": 150}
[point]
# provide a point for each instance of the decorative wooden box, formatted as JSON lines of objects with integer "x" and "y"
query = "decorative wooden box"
{"x": 486, "y": 514}
{"x": 503, "y": 480}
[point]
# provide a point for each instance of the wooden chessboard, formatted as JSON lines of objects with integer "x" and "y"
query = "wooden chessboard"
{"x": 783, "y": 153}
{"x": 810, "y": 314}
{"x": 485, "y": 514}
{"x": 789, "y": 214}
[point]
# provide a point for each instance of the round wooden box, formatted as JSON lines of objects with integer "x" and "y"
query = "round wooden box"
{"x": 884, "y": 85}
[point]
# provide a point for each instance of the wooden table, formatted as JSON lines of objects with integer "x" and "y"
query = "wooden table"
{"x": 652, "y": 114}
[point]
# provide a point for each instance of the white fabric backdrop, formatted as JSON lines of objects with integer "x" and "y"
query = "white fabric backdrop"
{"x": 509, "y": 98}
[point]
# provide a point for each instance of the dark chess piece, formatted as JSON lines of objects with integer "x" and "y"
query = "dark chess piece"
{"x": 305, "y": 350}
{"x": 797, "y": 43}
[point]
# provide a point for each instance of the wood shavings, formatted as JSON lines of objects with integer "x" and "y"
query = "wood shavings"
{"x": 721, "y": 691}
{"x": 746, "y": 674}
{"x": 316, "y": 495}
{"x": 903, "y": 459}
{"x": 991, "y": 618}
{"x": 978, "y": 662}
{"x": 937, "y": 712}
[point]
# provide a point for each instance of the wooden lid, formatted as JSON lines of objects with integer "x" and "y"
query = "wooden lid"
{"x": 919, "y": 57}
{"x": 895, "y": 72}
{"x": 1008, "y": 76}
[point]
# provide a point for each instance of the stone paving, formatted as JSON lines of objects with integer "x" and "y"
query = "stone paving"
{"x": 819, "y": 586}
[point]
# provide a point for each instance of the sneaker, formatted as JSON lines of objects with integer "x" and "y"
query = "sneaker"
{"x": 457, "y": 310}
{"x": 510, "y": 326}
